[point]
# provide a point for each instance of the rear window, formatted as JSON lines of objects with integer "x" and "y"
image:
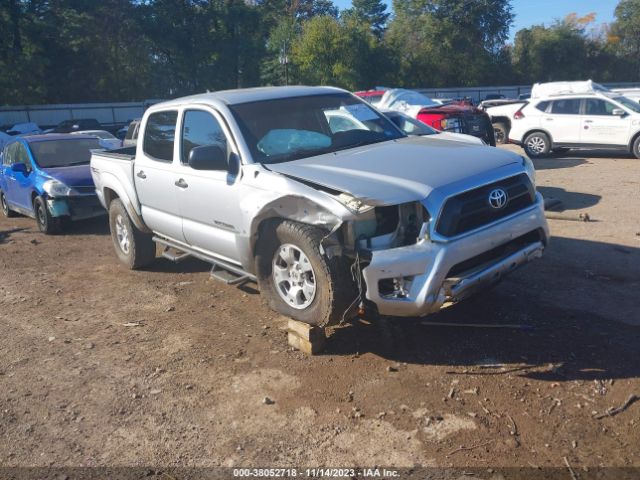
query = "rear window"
{"x": 542, "y": 106}
{"x": 159, "y": 135}
{"x": 63, "y": 153}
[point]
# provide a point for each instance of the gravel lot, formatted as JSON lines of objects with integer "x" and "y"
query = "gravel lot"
{"x": 165, "y": 367}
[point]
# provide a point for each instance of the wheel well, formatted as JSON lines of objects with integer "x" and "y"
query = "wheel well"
{"x": 504, "y": 120}
{"x": 109, "y": 196}
{"x": 538, "y": 130}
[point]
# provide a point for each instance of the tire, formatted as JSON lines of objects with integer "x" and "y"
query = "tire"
{"x": 288, "y": 253}
{"x": 46, "y": 223}
{"x": 501, "y": 133}
{"x": 537, "y": 144}
{"x": 6, "y": 211}
{"x": 636, "y": 147}
{"x": 134, "y": 248}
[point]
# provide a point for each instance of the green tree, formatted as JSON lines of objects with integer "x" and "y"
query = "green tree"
{"x": 373, "y": 12}
{"x": 625, "y": 35}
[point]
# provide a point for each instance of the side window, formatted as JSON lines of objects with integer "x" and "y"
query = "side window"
{"x": 7, "y": 157}
{"x": 199, "y": 129}
{"x": 20, "y": 155}
{"x": 568, "y": 106}
{"x": 159, "y": 135}
{"x": 595, "y": 106}
{"x": 542, "y": 106}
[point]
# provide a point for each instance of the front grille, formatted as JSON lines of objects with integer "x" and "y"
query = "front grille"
{"x": 470, "y": 210}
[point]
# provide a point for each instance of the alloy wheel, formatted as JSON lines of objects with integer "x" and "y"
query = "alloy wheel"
{"x": 293, "y": 276}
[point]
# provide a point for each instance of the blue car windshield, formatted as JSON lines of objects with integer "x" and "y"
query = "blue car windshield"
{"x": 286, "y": 129}
{"x": 63, "y": 153}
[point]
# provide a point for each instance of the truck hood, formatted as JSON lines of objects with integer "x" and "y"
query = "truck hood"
{"x": 74, "y": 176}
{"x": 397, "y": 171}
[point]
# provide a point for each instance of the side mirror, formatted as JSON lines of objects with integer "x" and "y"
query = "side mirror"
{"x": 19, "y": 168}
{"x": 208, "y": 157}
{"x": 618, "y": 112}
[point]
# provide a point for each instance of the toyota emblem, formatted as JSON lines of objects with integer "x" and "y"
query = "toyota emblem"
{"x": 497, "y": 198}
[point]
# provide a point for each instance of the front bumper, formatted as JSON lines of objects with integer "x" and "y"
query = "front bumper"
{"x": 76, "y": 207}
{"x": 433, "y": 273}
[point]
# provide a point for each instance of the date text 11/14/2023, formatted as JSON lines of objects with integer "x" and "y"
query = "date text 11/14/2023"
{"x": 319, "y": 472}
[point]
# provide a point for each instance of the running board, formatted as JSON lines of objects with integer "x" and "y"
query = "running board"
{"x": 221, "y": 270}
{"x": 176, "y": 256}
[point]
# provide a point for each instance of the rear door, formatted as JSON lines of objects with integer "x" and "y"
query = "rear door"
{"x": 154, "y": 173}
{"x": 563, "y": 120}
{"x": 601, "y": 127}
{"x": 209, "y": 200}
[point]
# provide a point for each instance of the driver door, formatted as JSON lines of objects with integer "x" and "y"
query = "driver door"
{"x": 209, "y": 200}
{"x": 19, "y": 185}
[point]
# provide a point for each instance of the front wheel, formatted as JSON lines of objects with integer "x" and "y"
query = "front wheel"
{"x": 6, "y": 211}
{"x": 636, "y": 147}
{"x": 297, "y": 280}
{"x": 136, "y": 249}
{"x": 537, "y": 144}
{"x": 47, "y": 224}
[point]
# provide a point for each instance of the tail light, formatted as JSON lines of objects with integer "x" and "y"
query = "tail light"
{"x": 518, "y": 115}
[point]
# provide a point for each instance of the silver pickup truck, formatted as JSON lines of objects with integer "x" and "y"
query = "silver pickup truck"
{"x": 328, "y": 216}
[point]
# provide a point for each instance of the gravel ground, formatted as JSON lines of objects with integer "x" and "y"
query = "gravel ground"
{"x": 101, "y": 366}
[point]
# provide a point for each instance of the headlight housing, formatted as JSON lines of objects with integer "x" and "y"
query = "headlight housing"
{"x": 530, "y": 169}
{"x": 54, "y": 188}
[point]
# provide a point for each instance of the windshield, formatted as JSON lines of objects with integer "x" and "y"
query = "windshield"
{"x": 628, "y": 103}
{"x": 411, "y": 126}
{"x": 286, "y": 129}
{"x": 63, "y": 153}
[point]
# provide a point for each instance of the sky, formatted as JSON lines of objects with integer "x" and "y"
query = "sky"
{"x": 535, "y": 12}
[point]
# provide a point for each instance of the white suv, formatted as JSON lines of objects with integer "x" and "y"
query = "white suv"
{"x": 561, "y": 121}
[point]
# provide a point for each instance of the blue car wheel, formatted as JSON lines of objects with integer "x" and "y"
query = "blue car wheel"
{"x": 46, "y": 223}
{"x": 5, "y": 206}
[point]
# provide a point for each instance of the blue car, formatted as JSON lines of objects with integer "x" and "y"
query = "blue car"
{"x": 47, "y": 177}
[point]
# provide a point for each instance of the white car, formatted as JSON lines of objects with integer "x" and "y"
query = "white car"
{"x": 105, "y": 139}
{"x": 567, "y": 115}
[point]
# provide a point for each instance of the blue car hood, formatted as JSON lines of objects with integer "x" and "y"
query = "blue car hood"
{"x": 75, "y": 176}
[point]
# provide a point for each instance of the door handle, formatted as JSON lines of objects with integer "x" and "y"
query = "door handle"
{"x": 181, "y": 183}
{"x": 141, "y": 174}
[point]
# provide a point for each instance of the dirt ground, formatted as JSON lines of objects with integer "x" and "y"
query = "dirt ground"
{"x": 166, "y": 367}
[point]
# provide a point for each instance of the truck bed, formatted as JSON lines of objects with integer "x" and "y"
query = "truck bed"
{"x": 113, "y": 170}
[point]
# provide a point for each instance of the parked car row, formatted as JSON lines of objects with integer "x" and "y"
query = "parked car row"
{"x": 330, "y": 205}
{"x": 561, "y": 116}
{"x": 458, "y": 117}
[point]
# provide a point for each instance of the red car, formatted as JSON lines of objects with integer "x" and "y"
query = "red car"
{"x": 457, "y": 117}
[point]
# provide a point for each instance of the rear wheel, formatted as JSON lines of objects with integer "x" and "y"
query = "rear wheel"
{"x": 297, "y": 280}
{"x": 6, "y": 211}
{"x": 47, "y": 224}
{"x": 500, "y": 131}
{"x": 136, "y": 249}
{"x": 537, "y": 144}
